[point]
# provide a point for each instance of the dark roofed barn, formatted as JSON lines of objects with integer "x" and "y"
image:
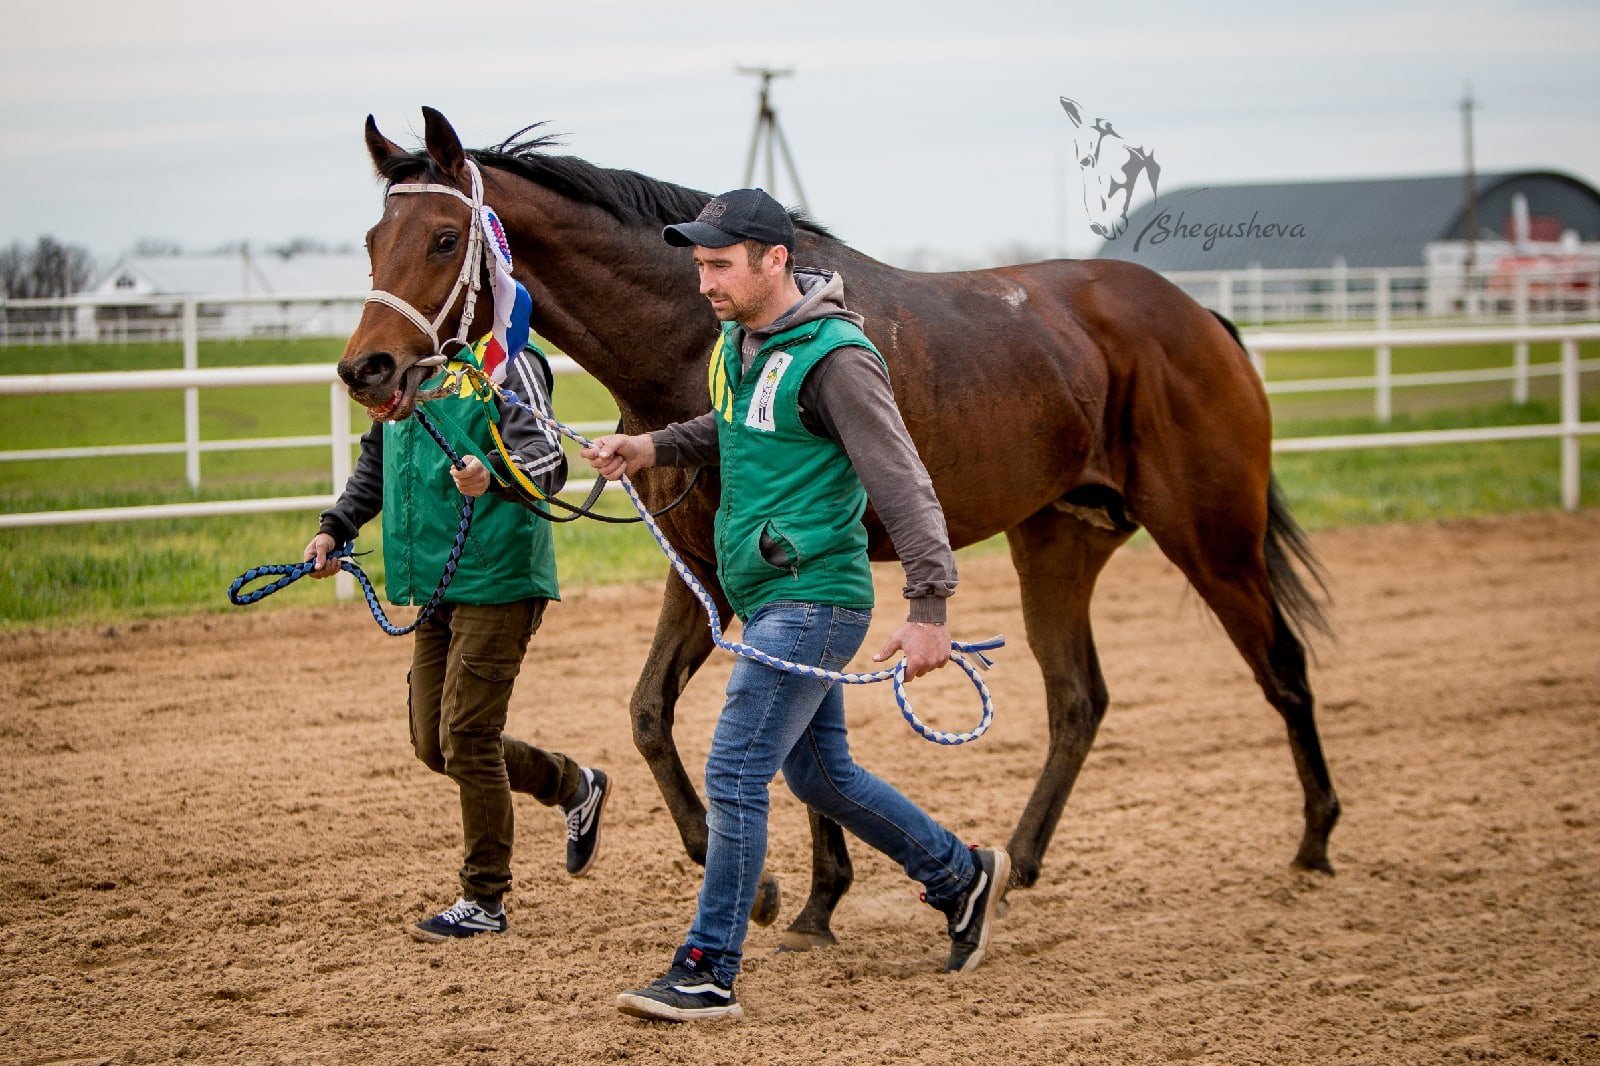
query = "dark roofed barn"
{"x": 1386, "y": 222}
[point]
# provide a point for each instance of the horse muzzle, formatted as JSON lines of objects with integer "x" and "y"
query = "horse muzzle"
{"x": 375, "y": 382}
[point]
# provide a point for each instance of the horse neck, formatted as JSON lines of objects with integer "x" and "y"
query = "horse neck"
{"x": 612, "y": 296}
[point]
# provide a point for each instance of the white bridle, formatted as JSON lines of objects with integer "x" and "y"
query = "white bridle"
{"x": 469, "y": 278}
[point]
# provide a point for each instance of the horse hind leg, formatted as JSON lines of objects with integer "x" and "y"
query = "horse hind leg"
{"x": 831, "y": 876}
{"x": 1058, "y": 555}
{"x": 1243, "y": 573}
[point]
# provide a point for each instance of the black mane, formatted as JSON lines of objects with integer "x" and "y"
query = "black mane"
{"x": 628, "y": 196}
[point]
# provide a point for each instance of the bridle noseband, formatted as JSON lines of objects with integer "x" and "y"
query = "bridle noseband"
{"x": 468, "y": 278}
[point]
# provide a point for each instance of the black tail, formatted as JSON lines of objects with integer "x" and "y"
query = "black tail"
{"x": 1286, "y": 544}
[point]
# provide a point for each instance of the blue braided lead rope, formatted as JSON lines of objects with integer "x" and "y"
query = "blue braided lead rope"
{"x": 293, "y": 572}
{"x": 895, "y": 674}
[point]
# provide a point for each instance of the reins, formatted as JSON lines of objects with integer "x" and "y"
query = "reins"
{"x": 895, "y": 673}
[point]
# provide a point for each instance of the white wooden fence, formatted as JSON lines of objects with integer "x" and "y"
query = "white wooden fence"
{"x": 1383, "y": 382}
{"x": 191, "y": 447}
{"x": 339, "y": 439}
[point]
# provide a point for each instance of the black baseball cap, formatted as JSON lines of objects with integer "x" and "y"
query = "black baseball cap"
{"x": 740, "y": 215}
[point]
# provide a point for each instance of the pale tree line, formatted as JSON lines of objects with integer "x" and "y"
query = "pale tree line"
{"x": 48, "y": 268}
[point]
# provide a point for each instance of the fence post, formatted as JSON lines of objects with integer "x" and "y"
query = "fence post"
{"x": 1383, "y": 399}
{"x": 1257, "y": 294}
{"x": 191, "y": 396}
{"x": 1519, "y": 352}
{"x": 344, "y": 585}
{"x": 1225, "y": 295}
{"x": 1569, "y": 424}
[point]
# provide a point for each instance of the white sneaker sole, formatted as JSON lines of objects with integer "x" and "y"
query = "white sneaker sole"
{"x": 654, "y": 1010}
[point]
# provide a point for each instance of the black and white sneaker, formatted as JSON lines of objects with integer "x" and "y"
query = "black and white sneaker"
{"x": 685, "y": 993}
{"x": 973, "y": 912}
{"x": 465, "y": 918}
{"x": 583, "y": 822}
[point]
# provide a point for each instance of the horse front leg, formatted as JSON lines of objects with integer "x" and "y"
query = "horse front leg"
{"x": 831, "y": 876}
{"x": 680, "y": 646}
{"x": 1058, "y": 557}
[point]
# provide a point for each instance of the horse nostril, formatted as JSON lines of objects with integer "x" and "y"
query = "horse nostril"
{"x": 371, "y": 370}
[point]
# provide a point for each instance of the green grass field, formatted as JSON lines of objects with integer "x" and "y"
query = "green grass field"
{"x": 100, "y": 573}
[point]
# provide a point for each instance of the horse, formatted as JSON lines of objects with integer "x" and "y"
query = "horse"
{"x": 1065, "y": 404}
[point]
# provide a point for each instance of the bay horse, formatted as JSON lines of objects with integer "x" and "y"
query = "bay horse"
{"x": 1063, "y": 403}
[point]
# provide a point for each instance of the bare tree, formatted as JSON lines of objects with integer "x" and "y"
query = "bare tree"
{"x": 50, "y": 268}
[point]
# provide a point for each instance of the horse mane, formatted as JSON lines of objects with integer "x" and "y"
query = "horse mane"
{"x": 628, "y": 196}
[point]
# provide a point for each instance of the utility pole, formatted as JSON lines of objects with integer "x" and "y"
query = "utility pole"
{"x": 767, "y": 127}
{"x": 1468, "y": 105}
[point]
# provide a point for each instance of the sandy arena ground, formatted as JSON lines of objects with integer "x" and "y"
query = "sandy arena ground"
{"x": 218, "y": 834}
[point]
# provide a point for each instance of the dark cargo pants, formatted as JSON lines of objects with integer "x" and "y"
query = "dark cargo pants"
{"x": 463, "y": 665}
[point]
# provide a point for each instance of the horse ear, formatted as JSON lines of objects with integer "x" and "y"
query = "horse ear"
{"x": 381, "y": 148}
{"x": 1071, "y": 108}
{"x": 442, "y": 143}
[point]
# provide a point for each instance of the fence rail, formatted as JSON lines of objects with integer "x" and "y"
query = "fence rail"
{"x": 1260, "y": 345}
{"x": 1552, "y": 285}
{"x": 191, "y": 381}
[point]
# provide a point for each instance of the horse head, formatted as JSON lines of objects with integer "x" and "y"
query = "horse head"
{"x": 1111, "y": 169}
{"x": 426, "y": 271}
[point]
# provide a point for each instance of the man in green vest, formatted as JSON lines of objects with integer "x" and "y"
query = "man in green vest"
{"x": 467, "y": 657}
{"x": 805, "y": 430}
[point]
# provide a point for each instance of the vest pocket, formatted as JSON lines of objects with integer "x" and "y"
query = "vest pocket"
{"x": 755, "y": 555}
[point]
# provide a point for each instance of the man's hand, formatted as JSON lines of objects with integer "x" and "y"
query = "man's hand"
{"x": 318, "y": 549}
{"x": 618, "y": 454}
{"x": 927, "y": 647}
{"x": 471, "y": 477}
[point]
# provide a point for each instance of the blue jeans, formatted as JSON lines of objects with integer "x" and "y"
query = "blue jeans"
{"x": 775, "y": 720}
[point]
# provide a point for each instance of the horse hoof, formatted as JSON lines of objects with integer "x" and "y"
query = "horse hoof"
{"x": 796, "y": 940}
{"x": 765, "y": 909}
{"x": 1023, "y": 874}
{"x": 1316, "y": 865}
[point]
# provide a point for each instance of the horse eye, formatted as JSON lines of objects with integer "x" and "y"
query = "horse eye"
{"x": 446, "y": 242}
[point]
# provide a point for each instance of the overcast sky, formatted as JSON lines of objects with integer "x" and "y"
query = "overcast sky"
{"x": 914, "y": 125}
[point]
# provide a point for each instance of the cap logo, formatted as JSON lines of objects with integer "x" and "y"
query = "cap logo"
{"x": 713, "y": 211}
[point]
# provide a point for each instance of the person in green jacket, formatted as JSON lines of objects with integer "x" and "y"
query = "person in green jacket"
{"x": 466, "y": 658}
{"x": 805, "y": 429}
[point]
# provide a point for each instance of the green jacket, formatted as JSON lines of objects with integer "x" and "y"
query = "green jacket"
{"x": 783, "y": 482}
{"x": 401, "y": 472}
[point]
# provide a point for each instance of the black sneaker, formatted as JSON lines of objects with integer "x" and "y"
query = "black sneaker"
{"x": 583, "y": 823}
{"x": 973, "y": 912}
{"x": 685, "y": 993}
{"x": 465, "y": 918}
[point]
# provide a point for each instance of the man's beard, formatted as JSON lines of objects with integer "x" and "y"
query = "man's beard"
{"x": 744, "y": 310}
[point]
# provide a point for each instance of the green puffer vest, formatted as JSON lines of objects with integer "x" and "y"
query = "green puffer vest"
{"x": 508, "y": 555}
{"x": 781, "y": 479}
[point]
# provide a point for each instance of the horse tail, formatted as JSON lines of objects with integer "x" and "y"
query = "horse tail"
{"x": 1233, "y": 330}
{"x": 1286, "y": 544}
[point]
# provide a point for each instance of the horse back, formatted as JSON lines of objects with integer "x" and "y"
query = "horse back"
{"x": 1020, "y": 384}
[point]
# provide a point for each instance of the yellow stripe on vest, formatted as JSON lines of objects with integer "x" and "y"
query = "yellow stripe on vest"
{"x": 717, "y": 382}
